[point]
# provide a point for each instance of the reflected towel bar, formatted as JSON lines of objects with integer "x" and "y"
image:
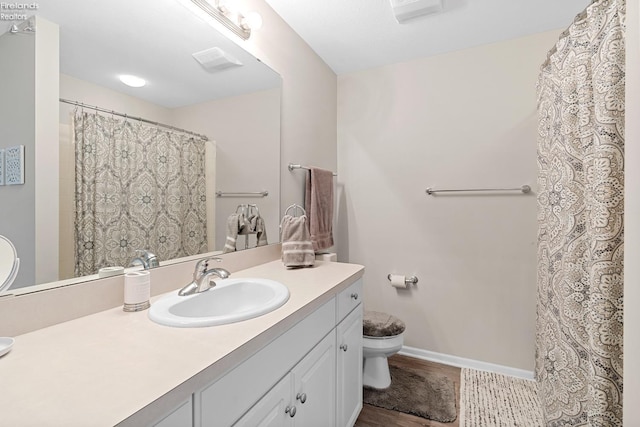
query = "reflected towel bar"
{"x": 292, "y": 167}
{"x": 524, "y": 189}
{"x": 242, "y": 194}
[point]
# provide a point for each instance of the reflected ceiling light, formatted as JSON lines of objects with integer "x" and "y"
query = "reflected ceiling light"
{"x": 222, "y": 14}
{"x": 133, "y": 81}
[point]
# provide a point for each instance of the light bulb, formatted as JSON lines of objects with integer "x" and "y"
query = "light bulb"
{"x": 132, "y": 81}
{"x": 253, "y": 20}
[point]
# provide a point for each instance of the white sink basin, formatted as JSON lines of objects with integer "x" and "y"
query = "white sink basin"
{"x": 231, "y": 300}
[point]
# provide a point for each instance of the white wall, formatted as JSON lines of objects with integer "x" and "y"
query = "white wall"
{"x": 75, "y": 89}
{"x": 632, "y": 223}
{"x": 46, "y": 156}
{"x": 308, "y": 123}
{"x": 246, "y": 130}
{"x": 460, "y": 120}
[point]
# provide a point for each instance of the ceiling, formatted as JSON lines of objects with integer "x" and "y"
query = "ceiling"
{"x": 352, "y": 35}
{"x": 153, "y": 39}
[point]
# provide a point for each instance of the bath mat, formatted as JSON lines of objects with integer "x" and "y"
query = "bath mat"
{"x": 429, "y": 396}
{"x": 488, "y": 399}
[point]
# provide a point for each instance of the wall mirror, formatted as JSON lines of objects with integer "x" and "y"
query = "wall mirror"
{"x": 232, "y": 98}
{"x": 9, "y": 263}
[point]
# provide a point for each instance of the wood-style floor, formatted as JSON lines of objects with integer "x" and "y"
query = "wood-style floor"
{"x": 372, "y": 416}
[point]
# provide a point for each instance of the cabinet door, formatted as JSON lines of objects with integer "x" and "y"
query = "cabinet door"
{"x": 273, "y": 410}
{"x": 349, "y": 368}
{"x": 315, "y": 385}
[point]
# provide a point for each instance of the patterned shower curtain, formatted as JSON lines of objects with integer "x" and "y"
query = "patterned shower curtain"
{"x": 137, "y": 187}
{"x": 580, "y": 211}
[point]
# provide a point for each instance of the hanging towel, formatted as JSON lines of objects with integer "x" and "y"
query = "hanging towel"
{"x": 244, "y": 224}
{"x": 297, "y": 250}
{"x": 233, "y": 226}
{"x": 319, "y": 207}
{"x": 258, "y": 227}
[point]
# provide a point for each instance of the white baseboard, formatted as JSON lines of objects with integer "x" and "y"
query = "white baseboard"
{"x": 461, "y": 362}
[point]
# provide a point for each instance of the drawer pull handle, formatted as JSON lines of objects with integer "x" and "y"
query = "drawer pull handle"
{"x": 291, "y": 410}
{"x": 302, "y": 397}
{"x": 354, "y": 296}
{"x": 343, "y": 347}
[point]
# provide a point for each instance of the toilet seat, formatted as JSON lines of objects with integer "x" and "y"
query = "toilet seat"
{"x": 382, "y": 337}
{"x": 379, "y": 325}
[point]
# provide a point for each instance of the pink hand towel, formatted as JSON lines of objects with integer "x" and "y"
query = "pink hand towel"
{"x": 319, "y": 207}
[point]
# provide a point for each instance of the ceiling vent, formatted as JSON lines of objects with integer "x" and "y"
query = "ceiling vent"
{"x": 216, "y": 59}
{"x": 409, "y": 9}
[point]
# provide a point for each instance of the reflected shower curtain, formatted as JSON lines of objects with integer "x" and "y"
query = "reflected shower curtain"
{"x": 580, "y": 214}
{"x": 137, "y": 187}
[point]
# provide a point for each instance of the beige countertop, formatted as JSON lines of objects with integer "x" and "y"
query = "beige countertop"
{"x": 101, "y": 369}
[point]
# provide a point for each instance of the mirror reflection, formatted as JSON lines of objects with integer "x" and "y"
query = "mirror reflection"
{"x": 9, "y": 263}
{"x": 182, "y": 165}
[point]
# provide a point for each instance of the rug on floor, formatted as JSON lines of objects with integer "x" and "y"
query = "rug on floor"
{"x": 488, "y": 399}
{"x": 429, "y": 396}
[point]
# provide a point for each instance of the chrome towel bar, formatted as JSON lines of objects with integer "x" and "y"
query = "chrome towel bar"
{"x": 263, "y": 193}
{"x": 524, "y": 189}
{"x": 291, "y": 167}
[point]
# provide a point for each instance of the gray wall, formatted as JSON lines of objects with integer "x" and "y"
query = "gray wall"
{"x": 17, "y": 127}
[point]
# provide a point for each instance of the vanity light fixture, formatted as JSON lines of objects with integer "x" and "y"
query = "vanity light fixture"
{"x": 25, "y": 28}
{"x": 253, "y": 20}
{"x": 231, "y": 20}
{"x": 132, "y": 81}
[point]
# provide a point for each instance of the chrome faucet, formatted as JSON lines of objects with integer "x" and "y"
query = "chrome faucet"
{"x": 146, "y": 259}
{"x": 202, "y": 277}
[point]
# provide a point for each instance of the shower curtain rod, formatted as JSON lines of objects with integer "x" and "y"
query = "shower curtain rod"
{"x": 126, "y": 116}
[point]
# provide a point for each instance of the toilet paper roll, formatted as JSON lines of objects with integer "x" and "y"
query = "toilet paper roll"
{"x": 398, "y": 281}
{"x": 110, "y": 271}
{"x": 137, "y": 287}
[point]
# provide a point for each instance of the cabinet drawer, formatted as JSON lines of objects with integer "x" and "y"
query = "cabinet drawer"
{"x": 349, "y": 299}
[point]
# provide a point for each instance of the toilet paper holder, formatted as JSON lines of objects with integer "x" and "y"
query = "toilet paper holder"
{"x": 412, "y": 280}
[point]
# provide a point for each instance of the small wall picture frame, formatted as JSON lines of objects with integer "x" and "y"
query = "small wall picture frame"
{"x": 1, "y": 166}
{"x": 14, "y": 165}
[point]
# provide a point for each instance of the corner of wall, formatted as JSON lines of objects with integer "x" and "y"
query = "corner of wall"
{"x": 47, "y": 153}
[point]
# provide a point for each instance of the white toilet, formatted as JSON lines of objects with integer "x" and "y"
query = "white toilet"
{"x": 382, "y": 337}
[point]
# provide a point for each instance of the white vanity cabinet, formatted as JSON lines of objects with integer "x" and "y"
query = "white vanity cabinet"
{"x": 310, "y": 375}
{"x": 304, "y": 397}
{"x": 349, "y": 356}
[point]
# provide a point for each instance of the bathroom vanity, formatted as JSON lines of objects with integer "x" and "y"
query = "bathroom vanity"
{"x": 301, "y": 362}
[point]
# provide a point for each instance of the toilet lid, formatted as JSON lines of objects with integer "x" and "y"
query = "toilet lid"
{"x": 378, "y": 324}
